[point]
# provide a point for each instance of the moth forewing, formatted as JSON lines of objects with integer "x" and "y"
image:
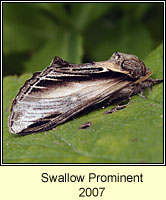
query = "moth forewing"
{"x": 33, "y": 113}
{"x": 62, "y": 90}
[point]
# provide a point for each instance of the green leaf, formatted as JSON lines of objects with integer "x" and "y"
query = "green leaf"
{"x": 66, "y": 44}
{"x": 25, "y": 27}
{"x": 84, "y": 14}
{"x": 125, "y": 38}
{"x": 131, "y": 135}
{"x": 59, "y": 11}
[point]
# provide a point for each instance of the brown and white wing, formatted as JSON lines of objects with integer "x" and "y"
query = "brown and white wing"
{"x": 53, "y": 96}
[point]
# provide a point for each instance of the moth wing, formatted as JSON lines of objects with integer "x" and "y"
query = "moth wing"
{"x": 51, "y": 97}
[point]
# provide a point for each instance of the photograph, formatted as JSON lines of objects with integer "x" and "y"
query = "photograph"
{"x": 83, "y": 83}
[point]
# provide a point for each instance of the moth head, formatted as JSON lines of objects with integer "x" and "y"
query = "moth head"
{"x": 127, "y": 64}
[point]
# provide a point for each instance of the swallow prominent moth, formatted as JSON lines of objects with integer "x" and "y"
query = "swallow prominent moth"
{"x": 63, "y": 89}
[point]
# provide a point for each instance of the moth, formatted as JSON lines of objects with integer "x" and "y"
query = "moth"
{"x": 63, "y": 90}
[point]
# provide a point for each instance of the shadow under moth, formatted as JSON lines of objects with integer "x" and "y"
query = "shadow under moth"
{"x": 63, "y": 90}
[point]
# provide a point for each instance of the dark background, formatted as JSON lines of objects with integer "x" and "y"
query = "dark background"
{"x": 33, "y": 33}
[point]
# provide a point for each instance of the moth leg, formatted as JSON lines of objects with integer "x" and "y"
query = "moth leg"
{"x": 141, "y": 94}
{"x": 149, "y": 83}
{"x": 118, "y": 107}
{"x": 150, "y": 89}
{"x": 123, "y": 96}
